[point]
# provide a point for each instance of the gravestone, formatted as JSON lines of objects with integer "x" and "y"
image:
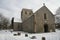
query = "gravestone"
{"x": 26, "y": 35}
{"x": 19, "y": 33}
{"x": 43, "y": 38}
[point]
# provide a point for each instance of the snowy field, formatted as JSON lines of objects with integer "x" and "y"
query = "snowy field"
{"x": 8, "y": 35}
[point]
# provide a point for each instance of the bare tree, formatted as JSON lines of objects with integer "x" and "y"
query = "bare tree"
{"x": 57, "y": 16}
{"x": 58, "y": 11}
{"x": 4, "y": 22}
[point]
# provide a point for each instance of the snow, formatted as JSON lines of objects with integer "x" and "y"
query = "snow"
{"x": 8, "y": 35}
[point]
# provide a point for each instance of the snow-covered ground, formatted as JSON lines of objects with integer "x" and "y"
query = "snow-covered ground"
{"x": 8, "y": 35}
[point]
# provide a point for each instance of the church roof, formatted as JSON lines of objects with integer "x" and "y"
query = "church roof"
{"x": 27, "y": 9}
{"x": 44, "y": 6}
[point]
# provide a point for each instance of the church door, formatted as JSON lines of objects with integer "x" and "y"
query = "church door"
{"x": 45, "y": 27}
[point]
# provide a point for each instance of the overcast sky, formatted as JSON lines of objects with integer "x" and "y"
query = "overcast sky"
{"x": 12, "y": 8}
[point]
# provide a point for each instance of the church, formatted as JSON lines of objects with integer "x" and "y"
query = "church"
{"x": 41, "y": 21}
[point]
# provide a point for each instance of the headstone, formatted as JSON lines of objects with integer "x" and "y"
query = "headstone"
{"x": 15, "y": 34}
{"x": 43, "y": 38}
{"x": 33, "y": 37}
{"x": 26, "y": 35}
{"x": 19, "y": 33}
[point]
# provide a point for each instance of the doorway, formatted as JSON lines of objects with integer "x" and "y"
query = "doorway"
{"x": 45, "y": 27}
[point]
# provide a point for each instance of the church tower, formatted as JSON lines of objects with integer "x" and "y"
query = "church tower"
{"x": 26, "y": 13}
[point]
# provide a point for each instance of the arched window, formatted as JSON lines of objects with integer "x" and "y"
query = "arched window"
{"x": 45, "y": 16}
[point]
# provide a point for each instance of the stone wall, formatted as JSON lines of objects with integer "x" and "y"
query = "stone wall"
{"x": 40, "y": 21}
{"x": 28, "y": 25}
{"x": 17, "y": 26}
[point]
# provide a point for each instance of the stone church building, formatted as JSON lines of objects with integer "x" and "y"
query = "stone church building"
{"x": 41, "y": 21}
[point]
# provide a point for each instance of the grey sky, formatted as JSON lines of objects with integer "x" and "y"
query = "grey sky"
{"x": 12, "y": 8}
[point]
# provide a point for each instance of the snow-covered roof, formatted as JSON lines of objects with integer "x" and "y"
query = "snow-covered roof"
{"x": 17, "y": 20}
